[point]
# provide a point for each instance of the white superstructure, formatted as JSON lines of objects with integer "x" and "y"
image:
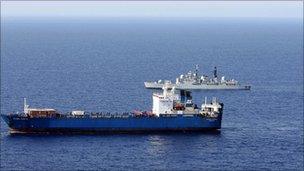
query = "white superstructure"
{"x": 37, "y": 111}
{"x": 163, "y": 102}
{"x": 172, "y": 101}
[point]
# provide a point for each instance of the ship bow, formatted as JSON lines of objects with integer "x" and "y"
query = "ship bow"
{"x": 6, "y": 118}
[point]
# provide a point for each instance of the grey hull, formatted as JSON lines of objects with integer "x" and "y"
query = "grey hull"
{"x": 153, "y": 85}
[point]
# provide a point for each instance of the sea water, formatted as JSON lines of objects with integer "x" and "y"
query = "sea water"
{"x": 100, "y": 65}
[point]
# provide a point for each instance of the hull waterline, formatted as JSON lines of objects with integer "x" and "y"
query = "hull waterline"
{"x": 22, "y": 125}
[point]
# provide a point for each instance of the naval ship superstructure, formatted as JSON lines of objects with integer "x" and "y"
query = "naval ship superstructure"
{"x": 173, "y": 110}
{"x": 192, "y": 80}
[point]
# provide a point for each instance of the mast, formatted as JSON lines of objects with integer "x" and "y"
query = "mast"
{"x": 215, "y": 72}
{"x": 196, "y": 72}
{"x": 196, "y": 69}
{"x": 25, "y": 106}
{"x": 205, "y": 100}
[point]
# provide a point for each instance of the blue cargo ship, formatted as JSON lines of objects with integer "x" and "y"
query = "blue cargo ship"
{"x": 173, "y": 110}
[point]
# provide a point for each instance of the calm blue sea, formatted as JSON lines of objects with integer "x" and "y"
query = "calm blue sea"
{"x": 100, "y": 65}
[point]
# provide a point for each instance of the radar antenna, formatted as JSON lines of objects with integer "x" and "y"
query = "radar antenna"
{"x": 196, "y": 69}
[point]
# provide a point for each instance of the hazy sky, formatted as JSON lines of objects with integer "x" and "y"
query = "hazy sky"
{"x": 280, "y": 9}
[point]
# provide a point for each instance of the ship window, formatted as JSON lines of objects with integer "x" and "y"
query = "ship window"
{"x": 188, "y": 105}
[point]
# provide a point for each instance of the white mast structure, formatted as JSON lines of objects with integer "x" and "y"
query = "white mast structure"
{"x": 25, "y": 106}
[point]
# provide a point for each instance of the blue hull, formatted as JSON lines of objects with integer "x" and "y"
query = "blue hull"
{"x": 20, "y": 124}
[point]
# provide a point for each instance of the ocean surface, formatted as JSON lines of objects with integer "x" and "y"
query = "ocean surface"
{"x": 101, "y": 64}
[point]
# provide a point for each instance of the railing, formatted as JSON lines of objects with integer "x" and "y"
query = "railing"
{"x": 88, "y": 115}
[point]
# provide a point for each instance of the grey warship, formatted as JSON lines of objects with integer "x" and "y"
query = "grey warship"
{"x": 195, "y": 81}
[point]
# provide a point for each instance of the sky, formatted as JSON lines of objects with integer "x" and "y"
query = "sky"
{"x": 98, "y": 9}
